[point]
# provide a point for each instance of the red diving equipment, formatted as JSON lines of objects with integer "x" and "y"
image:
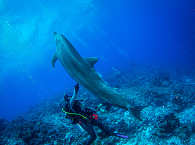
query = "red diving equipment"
{"x": 95, "y": 116}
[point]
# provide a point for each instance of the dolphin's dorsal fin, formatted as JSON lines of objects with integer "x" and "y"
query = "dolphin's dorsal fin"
{"x": 92, "y": 60}
{"x": 54, "y": 59}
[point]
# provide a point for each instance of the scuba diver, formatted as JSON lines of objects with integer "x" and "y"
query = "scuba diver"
{"x": 86, "y": 118}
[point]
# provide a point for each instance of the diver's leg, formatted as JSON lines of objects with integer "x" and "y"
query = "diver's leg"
{"x": 107, "y": 131}
{"x": 89, "y": 128}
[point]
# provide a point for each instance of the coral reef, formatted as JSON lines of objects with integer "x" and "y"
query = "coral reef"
{"x": 165, "y": 115}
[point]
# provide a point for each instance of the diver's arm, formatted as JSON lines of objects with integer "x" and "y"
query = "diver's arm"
{"x": 75, "y": 93}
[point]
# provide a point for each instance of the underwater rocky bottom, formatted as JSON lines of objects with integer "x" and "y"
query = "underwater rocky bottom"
{"x": 167, "y": 118}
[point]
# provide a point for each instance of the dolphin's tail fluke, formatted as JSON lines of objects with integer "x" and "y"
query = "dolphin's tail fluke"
{"x": 136, "y": 111}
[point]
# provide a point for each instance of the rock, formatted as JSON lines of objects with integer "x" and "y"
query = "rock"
{"x": 168, "y": 125}
{"x": 3, "y": 124}
{"x": 187, "y": 116}
{"x": 174, "y": 141}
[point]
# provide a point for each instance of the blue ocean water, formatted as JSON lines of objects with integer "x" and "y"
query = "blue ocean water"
{"x": 119, "y": 32}
{"x": 146, "y": 50}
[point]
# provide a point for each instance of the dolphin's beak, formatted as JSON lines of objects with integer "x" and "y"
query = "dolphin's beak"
{"x": 54, "y": 33}
{"x": 56, "y": 36}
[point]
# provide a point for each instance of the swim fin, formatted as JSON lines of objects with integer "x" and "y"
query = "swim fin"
{"x": 121, "y": 136}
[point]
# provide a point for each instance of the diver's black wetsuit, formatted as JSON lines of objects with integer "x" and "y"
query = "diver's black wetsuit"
{"x": 74, "y": 106}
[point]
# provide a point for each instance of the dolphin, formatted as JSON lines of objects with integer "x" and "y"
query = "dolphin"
{"x": 83, "y": 72}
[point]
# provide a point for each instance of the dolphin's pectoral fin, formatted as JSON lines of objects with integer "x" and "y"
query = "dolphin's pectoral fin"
{"x": 54, "y": 59}
{"x": 92, "y": 60}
